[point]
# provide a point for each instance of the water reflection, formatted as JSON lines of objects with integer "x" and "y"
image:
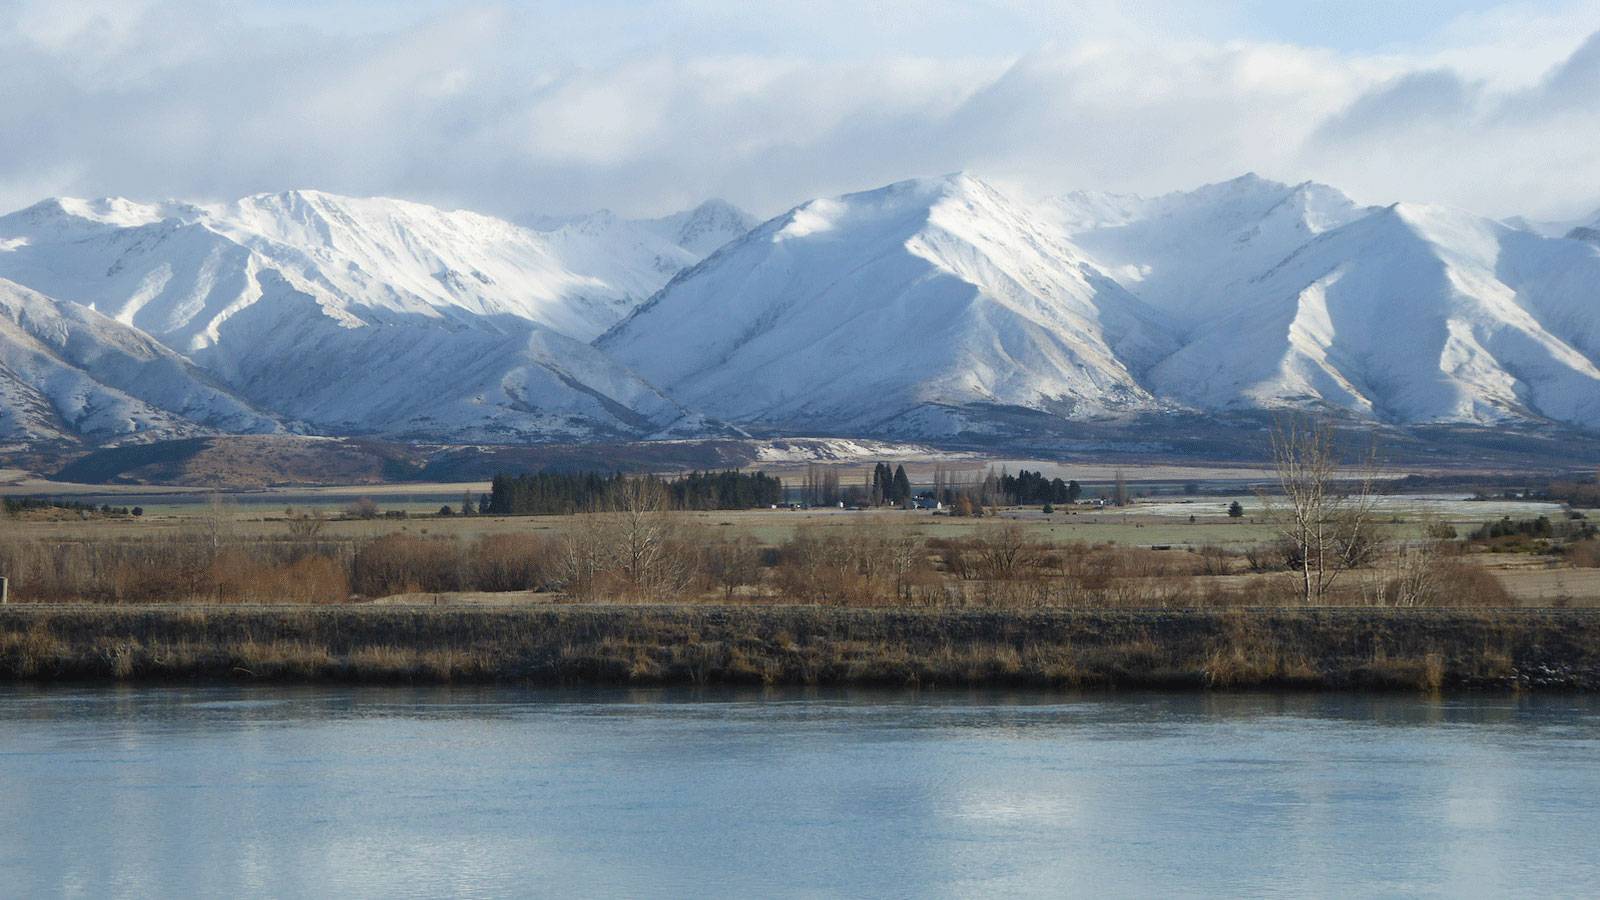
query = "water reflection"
{"x": 428, "y": 791}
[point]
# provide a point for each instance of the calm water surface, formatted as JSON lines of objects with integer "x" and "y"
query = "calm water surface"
{"x": 399, "y": 792}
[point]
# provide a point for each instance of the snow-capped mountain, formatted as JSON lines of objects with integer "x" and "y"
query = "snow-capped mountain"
{"x": 704, "y": 229}
{"x": 1189, "y": 254}
{"x": 1588, "y": 232}
{"x": 68, "y": 372}
{"x": 860, "y": 312}
{"x": 370, "y": 315}
{"x": 1408, "y": 314}
{"x": 922, "y": 309}
{"x": 180, "y": 270}
{"x": 691, "y": 235}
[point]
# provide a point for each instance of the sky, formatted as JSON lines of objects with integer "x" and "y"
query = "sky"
{"x": 649, "y": 106}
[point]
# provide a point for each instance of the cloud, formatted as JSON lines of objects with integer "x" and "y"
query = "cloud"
{"x": 648, "y": 107}
{"x": 1415, "y": 99}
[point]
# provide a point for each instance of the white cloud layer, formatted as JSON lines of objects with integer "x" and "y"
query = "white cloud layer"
{"x": 645, "y": 107}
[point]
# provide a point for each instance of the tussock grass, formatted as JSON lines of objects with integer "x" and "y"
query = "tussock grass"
{"x": 1425, "y": 650}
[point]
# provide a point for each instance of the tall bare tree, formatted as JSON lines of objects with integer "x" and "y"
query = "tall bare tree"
{"x": 1326, "y": 511}
{"x": 642, "y": 528}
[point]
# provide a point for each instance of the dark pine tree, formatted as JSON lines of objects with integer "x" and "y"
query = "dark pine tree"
{"x": 902, "y": 485}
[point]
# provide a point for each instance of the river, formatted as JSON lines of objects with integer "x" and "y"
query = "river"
{"x": 341, "y": 791}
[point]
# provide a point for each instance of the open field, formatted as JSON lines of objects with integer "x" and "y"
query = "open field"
{"x": 1160, "y": 551}
{"x": 1316, "y": 648}
{"x": 375, "y": 582}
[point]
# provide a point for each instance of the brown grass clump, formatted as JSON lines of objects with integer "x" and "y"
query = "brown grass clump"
{"x": 701, "y": 644}
{"x": 30, "y": 652}
{"x": 1248, "y": 654}
{"x": 1585, "y": 554}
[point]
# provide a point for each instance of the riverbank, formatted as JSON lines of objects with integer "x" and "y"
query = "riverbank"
{"x": 698, "y": 644}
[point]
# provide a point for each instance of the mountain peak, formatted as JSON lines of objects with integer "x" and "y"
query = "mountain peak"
{"x": 706, "y": 227}
{"x": 118, "y": 212}
{"x": 866, "y": 307}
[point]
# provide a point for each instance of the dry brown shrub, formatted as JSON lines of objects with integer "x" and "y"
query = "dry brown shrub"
{"x": 403, "y": 563}
{"x": 730, "y": 565}
{"x": 1215, "y": 560}
{"x": 241, "y": 577}
{"x": 826, "y": 566}
{"x": 513, "y": 562}
{"x": 1585, "y": 554}
{"x": 1434, "y": 575}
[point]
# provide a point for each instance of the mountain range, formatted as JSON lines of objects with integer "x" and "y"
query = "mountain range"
{"x": 929, "y": 308}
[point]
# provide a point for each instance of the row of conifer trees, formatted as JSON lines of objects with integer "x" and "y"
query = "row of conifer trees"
{"x": 564, "y": 493}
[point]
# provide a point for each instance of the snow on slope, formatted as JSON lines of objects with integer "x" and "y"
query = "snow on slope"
{"x": 695, "y": 233}
{"x": 1188, "y": 254}
{"x": 918, "y": 309}
{"x": 413, "y": 320}
{"x": 1409, "y": 314}
{"x": 854, "y": 312}
{"x": 704, "y": 229}
{"x": 1588, "y": 231}
{"x": 69, "y": 373}
{"x": 179, "y": 271}
{"x": 413, "y": 379}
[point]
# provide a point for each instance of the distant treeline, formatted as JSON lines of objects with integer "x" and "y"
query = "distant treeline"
{"x": 1032, "y": 487}
{"x": 1575, "y": 492}
{"x": 14, "y": 505}
{"x": 564, "y": 493}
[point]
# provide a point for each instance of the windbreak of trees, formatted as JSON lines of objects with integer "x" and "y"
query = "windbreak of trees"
{"x": 1032, "y": 487}
{"x": 565, "y": 493}
{"x": 889, "y": 485}
{"x": 14, "y": 505}
{"x": 1575, "y": 492}
{"x": 725, "y": 490}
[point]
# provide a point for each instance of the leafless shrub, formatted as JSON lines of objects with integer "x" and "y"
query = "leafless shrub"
{"x": 1585, "y": 554}
{"x": 1215, "y": 560}
{"x": 1006, "y": 553}
{"x": 362, "y": 508}
{"x": 731, "y": 565}
{"x": 403, "y": 563}
{"x": 306, "y": 526}
{"x": 512, "y": 562}
{"x": 1429, "y": 573}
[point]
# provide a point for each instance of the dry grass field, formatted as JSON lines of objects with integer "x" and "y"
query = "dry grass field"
{"x": 375, "y": 583}
{"x": 1174, "y": 544}
{"x": 1142, "y": 554}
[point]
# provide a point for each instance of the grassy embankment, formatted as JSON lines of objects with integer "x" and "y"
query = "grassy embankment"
{"x": 700, "y": 644}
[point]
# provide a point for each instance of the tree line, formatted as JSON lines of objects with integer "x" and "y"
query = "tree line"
{"x": 566, "y": 493}
{"x": 1032, "y": 487}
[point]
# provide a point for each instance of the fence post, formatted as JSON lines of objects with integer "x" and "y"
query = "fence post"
{"x": 5, "y": 591}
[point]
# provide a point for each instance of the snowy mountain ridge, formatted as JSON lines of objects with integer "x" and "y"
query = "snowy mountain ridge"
{"x": 926, "y": 308}
{"x": 370, "y": 315}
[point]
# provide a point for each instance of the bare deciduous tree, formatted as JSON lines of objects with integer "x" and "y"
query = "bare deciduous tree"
{"x": 216, "y": 523}
{"x": 629, "y": 545}
{"x": 1412, "y": 575}
{"x": 1006, "y": 553}
{"x": 362, "y": 508}
{"x": 305, "y": 526}
{"x": 585, "y": 554}
{"x": 906, "y": 553}
{"x": 733, "y": 564}
{"x": 1325, "y": 519}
